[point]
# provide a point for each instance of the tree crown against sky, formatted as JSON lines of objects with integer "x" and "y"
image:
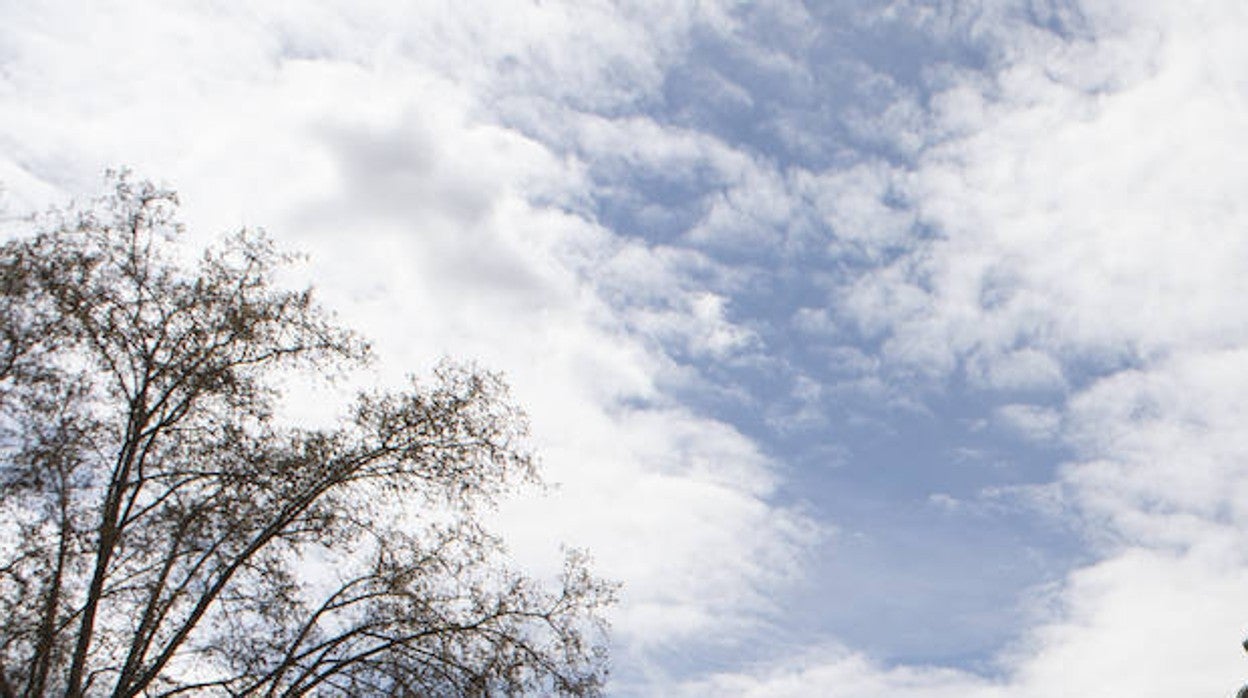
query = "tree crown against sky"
{"x": 163, "y": 533}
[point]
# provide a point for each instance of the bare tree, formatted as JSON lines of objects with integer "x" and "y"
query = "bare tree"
{"x": 161, "y": 533}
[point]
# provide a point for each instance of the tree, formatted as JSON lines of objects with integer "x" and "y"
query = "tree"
{"x": 162, "y": 533}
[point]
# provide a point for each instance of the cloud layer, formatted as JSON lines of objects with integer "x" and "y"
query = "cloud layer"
{"x": 694, "y": 234}
{"x": 378, "y": 140}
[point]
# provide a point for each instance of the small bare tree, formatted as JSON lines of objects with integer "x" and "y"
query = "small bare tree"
{"x": 161, "y": 533}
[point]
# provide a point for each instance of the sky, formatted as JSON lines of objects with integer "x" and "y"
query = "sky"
{"x": 877, "y": 347}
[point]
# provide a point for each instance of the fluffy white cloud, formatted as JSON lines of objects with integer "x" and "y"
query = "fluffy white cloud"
{"x": 1082, "y": 209}
{"x": 839, "y": 673}
{"x": 378, "y": 138}
{"x": 1088, "y": 218}
{"x": 1125, "y": 629}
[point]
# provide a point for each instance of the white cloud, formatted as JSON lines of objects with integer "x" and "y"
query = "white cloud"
{"x": 836, "y": 672}
{"x": 376, "y": 138}
{"x": 854, "y": 203}
{"x": 1126, "y": 628}
{"x": 1022, "y": 369}
{"x": 1086, "y": 215}
{"x": 1164, "y": 444}
{"x": 1030, "y": 421}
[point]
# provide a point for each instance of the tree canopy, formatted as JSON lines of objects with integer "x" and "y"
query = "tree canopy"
{"x": 162, "y": 532}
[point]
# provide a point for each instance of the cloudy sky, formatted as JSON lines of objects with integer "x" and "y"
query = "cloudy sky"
{"x": 879, "y": 347}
